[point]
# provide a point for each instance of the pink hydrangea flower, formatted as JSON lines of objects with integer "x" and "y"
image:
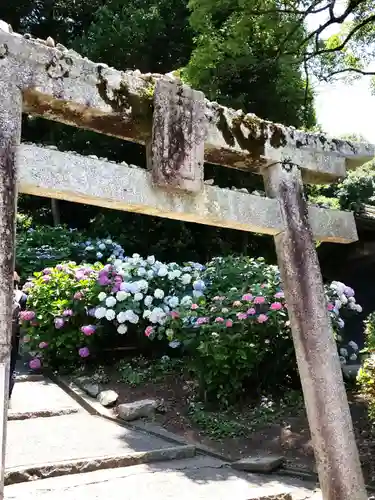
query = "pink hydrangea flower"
{"x": 88, "y": 330}
{"x": 247, "y": 297}
{"x": 68, "y": 312}
{"x": 330, "y": 307}
{"x": 59, "y": 323}
{"x": 276, "y": 306}
{"x": 47, "y": 270}
{"x": 279, "y": 295}
{"x": 219, "y": 319}
{"x": 59, "y": 267}
{"x": 84, "y": 352}
{"x": 229, "y": 323}
{"x": 251, "y": 311}
{"x": 241, "y": 316}
{"x": 103, "y": 279}
{"x": 194, "y": 307}
{"x": 149, "y": 330}
{"x": 27, "y": 315}
{"x": 174, "y": 314}
{"x": 263, "y": 285}
{"x": 259, "y": 300}
{"x": 35, "y": 364}
{"x": 43, "y": 345}
{"x": 78, "y": 296}
{"x": 262, "y": 318}
{"x": 202, "y": 321}
{"x": 46, "y": 278}
{"x": 237, "y": 303}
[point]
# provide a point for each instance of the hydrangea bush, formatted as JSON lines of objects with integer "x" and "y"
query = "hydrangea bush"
{"x": 46, "y": 246}
{"x": 55, "y": 322}
{"x": 229, "y": 317}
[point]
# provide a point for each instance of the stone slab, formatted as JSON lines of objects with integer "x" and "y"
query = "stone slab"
{"x": 201, "y": 478}
{"x": 38, "y": 441}
{"x": 49, "y": 173}
{"x": 40, "y": 396}
{"x": 266, "y": 463}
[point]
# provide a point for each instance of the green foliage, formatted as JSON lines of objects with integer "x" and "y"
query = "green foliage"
{"x": 149, "y": 35}
{"x": 358, "y": 188}
{"x": 56, "y": 311}
{"x": 239, "y": 62}
{"x": 366, "y": 381}
{"x": 139, "y": 370}
{"x": 45, "y": 246}
{"x": 266, "y": 411}
{"x": 370, "y": 333}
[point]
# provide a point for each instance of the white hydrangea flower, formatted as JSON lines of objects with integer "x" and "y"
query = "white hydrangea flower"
{"x": 353, "y": 357}
{"x": 136, "y": 256}
{"x": 102, "y": 296}
{"x": 110, "y": 314}
{"x": 148, "y": 300}
{"x": 197, "y": 293}
{"x": 151, "y": 260}
{"x": 134, "y": 319}
{"x": 341, "y": 323}
{"x": 102, "y": 246}
{"x": 358, "y": 308}
{"x": 344, "y": 352}
{"x": 185, "y": 279}
{"x": 121, "y": 317}
{"x": 159, "y": 294}
{"x": 138, "y": 296}
{"x": 110, "y": 301}
{"x": 100, "y": 312}
{"x": 121, "y": 296}
{"x": 162, "y": 271}
{"x": 343, "y": 299}
{"x": 117, "y": 263}
{"x": 141, "y": 271}
{"x": 108, "y": 241}
{"x": 186, "y": 301}
{"x": 352, "y": 299}
{"x": 122, "y": 329}
{"x": 150, "y": 274}
{"x": 146, "y": 313}
{"x": 338, "y": 304}
{"x": 142, "y": 285}
{"x": 353, "y": 345}
{"x": 157, "y": 315}
{"x": 173, "y": 302}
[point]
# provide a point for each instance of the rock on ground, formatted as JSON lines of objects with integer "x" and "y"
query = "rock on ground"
{"x": 87, "y": 385}
{"x": 137, "y": 409}
{"x": 107, "y": 398}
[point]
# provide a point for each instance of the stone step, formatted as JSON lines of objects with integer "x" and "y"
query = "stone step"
{"x": 199, "y": 478}
{"x": 40, "y": 398}
{"x": 41, "y": 447}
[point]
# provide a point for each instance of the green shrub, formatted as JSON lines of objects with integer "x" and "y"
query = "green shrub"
{"x": 55, "y": 322}
{"x": 366, "y": 381}
{"x": 46, "y": 246}
{"x": 229, "y": 318}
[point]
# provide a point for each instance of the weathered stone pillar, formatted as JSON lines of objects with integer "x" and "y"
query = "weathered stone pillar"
{"x": 10, "y": 133}
{"x": 326, "y": 403}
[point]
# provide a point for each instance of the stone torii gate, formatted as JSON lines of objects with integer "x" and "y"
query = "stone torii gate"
{"x": 181, "y": 131}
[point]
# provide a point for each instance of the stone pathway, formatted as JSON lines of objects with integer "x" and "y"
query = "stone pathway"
{"x": 57, "y": 450}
